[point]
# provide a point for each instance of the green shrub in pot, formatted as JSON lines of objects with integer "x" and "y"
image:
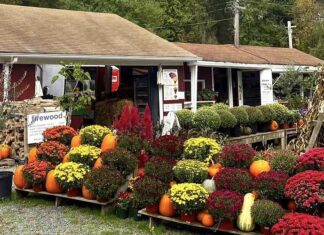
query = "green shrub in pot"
{"x": 284, "y": 161}
{"x": 281, "y": 112}
{"x": 185, "y": 117}
{"x": 220, "y": 106}
{"x": 266, "y": 213}
{"x": 228, "y": 120}
{"x": 240, "y": 115}
{"x": 255, "y": 115}
{"x": 206, "y": 119}
{"x": 268, "y": 113}
{"x": 293, "y": 116}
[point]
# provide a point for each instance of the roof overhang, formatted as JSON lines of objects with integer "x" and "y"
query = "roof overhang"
{"x": 24, "y": 58}
{"x": 274, "y": 68}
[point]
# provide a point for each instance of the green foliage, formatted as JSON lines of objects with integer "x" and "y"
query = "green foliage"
{"x": 206, "y": 119}
{"x": 120, "y": 159}
{"x": 207, "y": 94}
{"x": 240, "y": 114}
{"x": 293, "y": 116}
{"x": 133, "y": 144}
{"x": 104, "y": 182}
{"x": 185, "y": 117}
{"x": 284, "y": 161}
{"x": 255, "y": 115}
{"x": 228, "y": 120}
{"x": 281, "y": 112}
{"x": 267, "y": 112}
{"x": 160, "y": 168}
{"x": 266, "y": 213}
{"x": 94, "y": 134}
{"x": 220, "y": 106}
{"x": 84, "y": 154}
{"x": 191, "y": 171}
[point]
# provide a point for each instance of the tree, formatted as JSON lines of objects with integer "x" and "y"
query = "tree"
{"x": 78, "y": 94}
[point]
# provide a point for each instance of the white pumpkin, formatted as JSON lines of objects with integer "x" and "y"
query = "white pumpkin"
{"x": 244, "y": 221}
{"x": 209, "y": 185}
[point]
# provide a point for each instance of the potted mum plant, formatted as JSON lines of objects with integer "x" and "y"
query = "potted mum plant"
{"x": 52, "y": 151}
{"x": 284, "y": 161}
{"x": 242, "y": 119}
{"x": 188, "y": 199}
{"x": 70, "y": 177}
{"x": 148, "y": 191}
{"x": 94, "y": 134}
{"x": 104, "y": 182}
{"x": 185, "y": 117}
{"x": 281, "y": 114}
{"x": 206, "y": 119}
{"x": 35, "y": 174}
{"x": 84, "y": 154}
{"x": 62, "y": 134}
{"x": 122, "y": 204}
{"x": 168, "y": 145}
{"x": 255, "y": 116}
{"x": 293, "y": 118}
{"x": 228, "y": 121}
{"x": 237, "y": 155}
{"x": 268, "y": 115}
{"x": 265, "y": 214}
{"x": 225, "y": 206}
{"x": 311, "y": 160}
{"x": 191, "y": 171}
{"x": 160, "y": 168}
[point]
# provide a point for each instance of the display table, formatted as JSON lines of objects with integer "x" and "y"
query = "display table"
{"x": 59, "y": 198}
{"x": 195, "y": 224}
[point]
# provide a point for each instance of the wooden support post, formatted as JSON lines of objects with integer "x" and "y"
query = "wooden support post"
{"x": 21, "y": 194}
{"x": 316, "y": 131}
{"x": 104, "y": 209}
{"x": 58, "y": 201}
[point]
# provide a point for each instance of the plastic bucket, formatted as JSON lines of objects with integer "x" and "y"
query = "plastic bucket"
{"x": 5, "y": 184}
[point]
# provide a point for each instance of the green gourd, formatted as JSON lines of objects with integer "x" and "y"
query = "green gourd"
{"x": 244, "y": 221}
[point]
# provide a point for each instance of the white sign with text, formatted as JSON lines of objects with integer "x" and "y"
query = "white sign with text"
{"x": 37, "y": 123}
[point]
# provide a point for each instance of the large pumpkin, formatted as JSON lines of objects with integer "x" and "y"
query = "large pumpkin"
{"x": 273, "y": 126}
{"x": 51, "y": 185}
{"x": 87, "y": 194}
{"x": 166, "y": 206}
{"x": 5, "y": 151}
{"x": 76, "y": 141}
{"x": 19, "y": 179}
{"x": 208, "y": 220}
{"x": 259, "y": 166}
{"x": 32, "y": 155}
{"x": 98, "y": 163}
{"x": 108, "y": 143}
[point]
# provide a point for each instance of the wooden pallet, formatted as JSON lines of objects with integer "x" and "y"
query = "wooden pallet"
{"x": 215, "y": 228}
{"x": 8, "y": 162}
{"x": 59, "y": 199}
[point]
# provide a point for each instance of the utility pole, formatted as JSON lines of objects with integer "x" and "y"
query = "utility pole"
{"x": 290, "y": 31}
{"x": 236, "y": 9}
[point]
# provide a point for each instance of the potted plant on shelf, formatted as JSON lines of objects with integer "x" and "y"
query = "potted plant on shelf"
{"x": 225, "y": 206}
{"x": 268, "y": 117}
{"x": 185, "y": 117}
{"x": 122, "y": 204}
{"x": 188, "y": 199}
{"x": 121, "y": 159}
{"x": 281, "y": 114}
{"x": 265, "y": 214}
{"x": 255, "y": 116}
{"x": 228, "y": 121}
{"x": 293, "y": 118}
{"x": 62, "y": 134}
{"x": 52, "y": 151}
{"x": 148, "y": 191}
{"x": 207, "y": 95}
{"x": 84, "y": 154}
{"x": 206, "y": 119}
{"x": 35, "y": 174}
{"x": 104, "y": 182}
{"x": 242, "y": 119}
{"x": 191, "y": 171}
{"x": 70, "y": 177}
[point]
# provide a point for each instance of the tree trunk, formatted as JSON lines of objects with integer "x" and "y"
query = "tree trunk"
{"x": 314, "y": 108}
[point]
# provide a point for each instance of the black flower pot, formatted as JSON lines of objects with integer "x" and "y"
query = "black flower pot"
{"x": 254, "y": 128}
{"x": 225, "y": 131}
{"x": 236, "y": 131}
{"x": 5, "y": 184}
{"x": 121, "y": 213}
{"x": 133, "y": 213}
{"x": 263, "y": 127}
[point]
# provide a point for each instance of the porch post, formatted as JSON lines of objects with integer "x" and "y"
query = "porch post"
{"x": 213, "y": 82}
{"x": 194, "y": 80}
{"x": 6, "y": 77}
{"x": 230, "y": 87}
{"x": 240, "y": 87}
{"x": 160, "y": 93}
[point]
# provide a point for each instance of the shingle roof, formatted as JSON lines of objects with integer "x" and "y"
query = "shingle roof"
{"x": 51, "y": 31}
{"x": 251, "y": 54}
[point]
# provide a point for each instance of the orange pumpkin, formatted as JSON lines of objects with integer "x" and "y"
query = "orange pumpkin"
{"x": 108, "y": 143}
{"x": 273, "y": 126}
{"x": 201, "y": 214}
{"x": 208, "y": 220}
{"x": 166, "y": 206}
{"x": 98, "y": 163}
{"x": 65, "y": 158}
{"x": 214, "y": 169}
{"x": 51, "y": 185}
{"x": 32, "y": 155}
{"x": 76, "y": 141}
{"x": 259, "y": 166}
{"x": 300, "y": 122}
{"x": 292, "y": 205}
{"x": 19, "y": 179}
{"x": 87, "y": 194}
{"x": 5, "y": 151}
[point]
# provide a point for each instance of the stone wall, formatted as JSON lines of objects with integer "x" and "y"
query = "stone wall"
{"x": 14, "y": 133}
